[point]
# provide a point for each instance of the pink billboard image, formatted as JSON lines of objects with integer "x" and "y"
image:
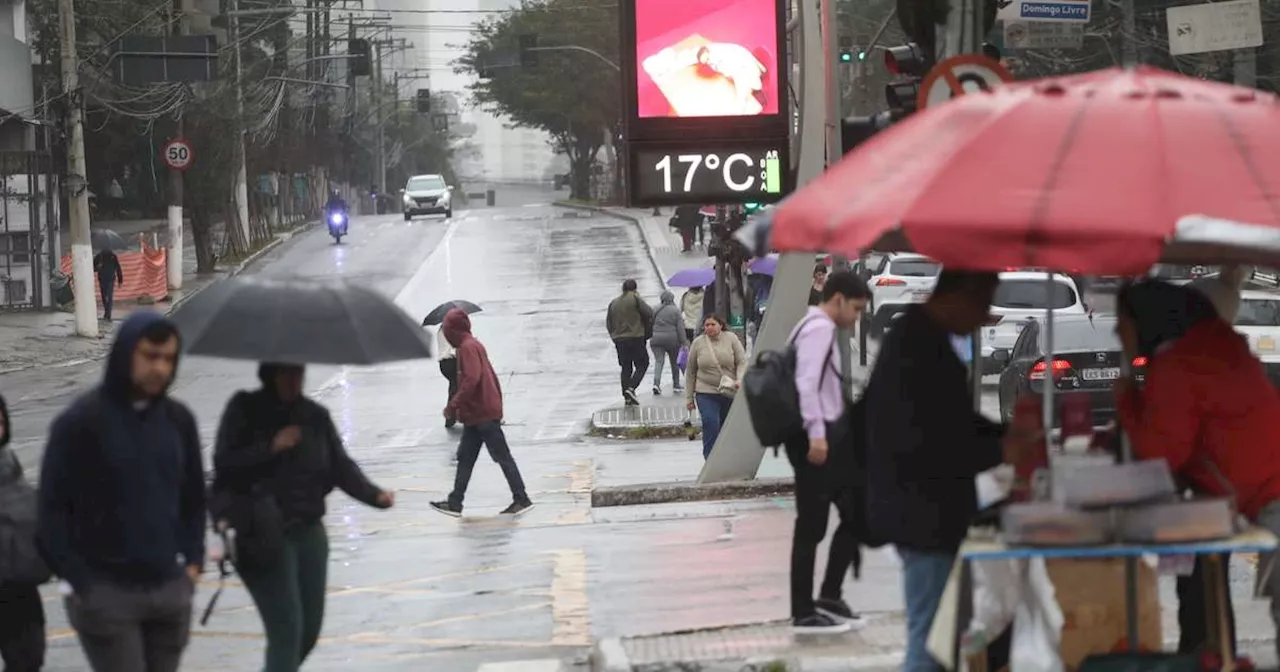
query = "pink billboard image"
{"x": 706, "y": 58}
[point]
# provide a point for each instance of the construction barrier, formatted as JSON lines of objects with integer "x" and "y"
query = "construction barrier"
{"x": 145, "y": 274}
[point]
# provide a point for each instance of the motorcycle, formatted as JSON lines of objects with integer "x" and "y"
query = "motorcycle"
{"x": 337, "y": 225}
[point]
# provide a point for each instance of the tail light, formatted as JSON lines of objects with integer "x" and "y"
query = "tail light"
{"x": 1139, "y": 362}
{"x": 890, "y": 282}
{"x": 1060, "y": 367}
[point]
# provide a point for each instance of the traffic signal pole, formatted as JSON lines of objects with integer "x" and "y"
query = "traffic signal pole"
{"x": 738, "y": 453}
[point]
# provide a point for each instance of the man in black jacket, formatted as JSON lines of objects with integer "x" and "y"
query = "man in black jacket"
{"x": 122, "y": 506}
{"x": 925, "y": 445}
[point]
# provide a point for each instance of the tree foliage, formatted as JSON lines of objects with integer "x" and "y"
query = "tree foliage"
{"x": 571, "y": 94}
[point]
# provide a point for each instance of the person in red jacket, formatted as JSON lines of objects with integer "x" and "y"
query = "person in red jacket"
{"x": 478, "y": 406}
{"x": 1206, "y": 407}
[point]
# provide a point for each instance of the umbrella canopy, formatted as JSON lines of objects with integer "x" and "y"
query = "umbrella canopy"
{"x": 436, "y": 316}
{"x": 106, "y": 239}
{"x": 298, "y": 323}
{"x": 1105, "y": 172}
{"x": 693, "y": 277}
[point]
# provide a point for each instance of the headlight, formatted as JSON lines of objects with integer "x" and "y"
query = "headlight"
{"x": 407, "y": 200}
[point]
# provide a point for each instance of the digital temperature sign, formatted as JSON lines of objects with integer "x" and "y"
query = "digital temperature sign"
{"x": 748, "y": 173}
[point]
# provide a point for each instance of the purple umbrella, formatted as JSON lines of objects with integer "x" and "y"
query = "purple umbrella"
{"x": 766, "y": 265}
{"x": 693, "y": 277}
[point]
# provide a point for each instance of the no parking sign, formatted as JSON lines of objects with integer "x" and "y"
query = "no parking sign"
{"x": 958, "y": 75}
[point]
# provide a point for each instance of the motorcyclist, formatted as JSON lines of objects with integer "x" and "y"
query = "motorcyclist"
{"x": 335, "y": 203}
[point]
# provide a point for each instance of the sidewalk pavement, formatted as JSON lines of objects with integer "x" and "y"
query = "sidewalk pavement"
{"x": 30, "y": 339}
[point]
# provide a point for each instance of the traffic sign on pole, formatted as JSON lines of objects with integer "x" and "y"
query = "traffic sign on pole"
{"x": 958, "y": 75}
{"x": 177, "y": 154}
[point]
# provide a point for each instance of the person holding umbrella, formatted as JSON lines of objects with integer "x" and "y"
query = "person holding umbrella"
{"x": 107, "y": 265}
{"x": 278, "y": 453}
{"x": 444, "y": 352}
{"x": 478, "y": 406}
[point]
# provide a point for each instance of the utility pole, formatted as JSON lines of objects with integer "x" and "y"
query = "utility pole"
{"x": 241, "y": 193}
{"x": 381, "y": 119}
{"x": 78, "y": 198}
{"x": 174, "y": 257}
{"x": 1244, "y": 67}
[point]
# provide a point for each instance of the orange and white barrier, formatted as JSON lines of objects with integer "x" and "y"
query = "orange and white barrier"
{"x": 144, "y": 274}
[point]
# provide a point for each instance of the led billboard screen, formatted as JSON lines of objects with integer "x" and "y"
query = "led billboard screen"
{"x": 706, "y": 58}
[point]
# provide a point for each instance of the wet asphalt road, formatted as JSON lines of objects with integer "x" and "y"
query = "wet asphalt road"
{"x": 411, "y": 589}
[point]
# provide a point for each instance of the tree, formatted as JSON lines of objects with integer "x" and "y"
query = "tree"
{"x": 571, "y": 94}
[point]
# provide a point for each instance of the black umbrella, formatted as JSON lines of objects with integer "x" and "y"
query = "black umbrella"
{"x": 298, "y": 323}
{"x": 436, "y": 316}
{"x": 106, "y": 239}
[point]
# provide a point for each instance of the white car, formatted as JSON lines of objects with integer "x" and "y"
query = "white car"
{"x": 1259, "y": 322}
{"x": 1022, "y": 296}
{"x": 897, "y": 282}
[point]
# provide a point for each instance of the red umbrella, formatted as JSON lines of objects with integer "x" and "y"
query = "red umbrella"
{"x": 1105, "y": 173}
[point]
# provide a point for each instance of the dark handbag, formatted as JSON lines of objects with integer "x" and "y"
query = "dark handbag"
{"x": 257, "y": 520}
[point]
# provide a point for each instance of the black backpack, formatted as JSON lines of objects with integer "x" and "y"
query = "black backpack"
{"x": 772, "y": 398}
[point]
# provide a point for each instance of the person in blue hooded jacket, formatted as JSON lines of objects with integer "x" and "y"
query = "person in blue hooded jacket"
{"x": 122, "y": 506}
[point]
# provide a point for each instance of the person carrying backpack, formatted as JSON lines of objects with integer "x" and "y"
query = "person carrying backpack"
{"x": 22, "y": 570}
{"x": 820, "y": 456}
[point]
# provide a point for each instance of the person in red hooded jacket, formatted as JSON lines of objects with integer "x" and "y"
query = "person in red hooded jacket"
{"x": 477, "y": 404}
{"x": 1206, "y": 407}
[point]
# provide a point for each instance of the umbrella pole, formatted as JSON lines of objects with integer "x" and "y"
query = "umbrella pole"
{"x": 1049, "y": 380}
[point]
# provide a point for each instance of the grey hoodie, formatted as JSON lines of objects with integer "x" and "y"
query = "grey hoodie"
{"x": 668, "y": 325}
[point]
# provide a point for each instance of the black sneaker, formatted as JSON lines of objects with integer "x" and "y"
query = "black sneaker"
{"x": 448, "y": 508}
{"x": 839, "y": 610}
{"x": 517, "y": 508}
{"x": 657, "y": 391}
{"x": 630, "y": 396}
{"x": 449, "y": 424}
{"x": 818, "y": 624}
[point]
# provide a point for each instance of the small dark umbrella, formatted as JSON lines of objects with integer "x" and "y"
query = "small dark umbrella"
{"x": 436, "y": 316}
{"x": 106, "y": 239}
{"x": 298, "y": 323}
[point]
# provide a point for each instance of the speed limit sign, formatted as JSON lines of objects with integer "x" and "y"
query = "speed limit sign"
{"x": 177, "y": 154}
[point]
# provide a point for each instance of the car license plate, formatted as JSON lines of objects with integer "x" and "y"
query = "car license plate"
{"x": 920, "y": 295}
{"x": 1267, "y": 343}
{"x": 1110, "y": 373}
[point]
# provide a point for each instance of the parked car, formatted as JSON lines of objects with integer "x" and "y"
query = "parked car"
{"x": 897, "y": 282}
{"x": 1259, "y": 321}
{"x": 1086, "y": 360}
{"x": 1021, "y": 297}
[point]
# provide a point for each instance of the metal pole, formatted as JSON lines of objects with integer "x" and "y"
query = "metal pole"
{"x": 174, "y": 257}
{"x": 1129, "y": 35}
{"x": 377, "y": 106}
{"x": 78, "y": 198}
{"x": 1245, "y": 67}
{"x": 242, "y": 179}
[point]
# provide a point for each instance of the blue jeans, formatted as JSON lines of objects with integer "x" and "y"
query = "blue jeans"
{"x": 924, "y": 577}
{"x": 713, "y": 408}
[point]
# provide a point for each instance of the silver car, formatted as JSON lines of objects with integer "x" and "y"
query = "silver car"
{"x": 427, "y": 195}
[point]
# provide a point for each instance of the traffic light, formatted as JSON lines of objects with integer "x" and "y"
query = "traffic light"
{"x": 358, "y": 57}
{"x": 424, "y": 101}
{"x": 909, "y": 64}
{"x": 991, "y": 51}
{"x": 751, "y": 208}
{"x": 528, "y": 51}
{"x": 846, "y": 50}
{"x": 856, "y": 130}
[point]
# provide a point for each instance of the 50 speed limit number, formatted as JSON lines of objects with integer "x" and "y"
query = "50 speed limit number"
{"x": 177, "y": 154}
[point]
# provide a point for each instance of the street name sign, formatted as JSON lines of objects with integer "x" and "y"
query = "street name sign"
{"x": 1217, "y": 26}
{"x": 958, "y": 75}
{"x": 1043, "y": 35}
{"x": 1053, "y": 11}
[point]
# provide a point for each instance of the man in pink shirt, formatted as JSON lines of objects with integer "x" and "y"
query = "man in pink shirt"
{"x": 828, "y": 436}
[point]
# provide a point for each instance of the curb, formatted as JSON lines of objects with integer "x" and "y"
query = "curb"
{"x": 684, "y": 491}
{"x": 648, "y": 248}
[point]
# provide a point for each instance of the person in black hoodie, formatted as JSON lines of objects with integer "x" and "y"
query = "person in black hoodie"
{"x": 22, "y": 570}
{"x": 925, "y": 445}
{"x": 122, "y": 506}
{"x": 276, "y": 445}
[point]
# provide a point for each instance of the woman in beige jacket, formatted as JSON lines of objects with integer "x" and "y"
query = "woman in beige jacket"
{"x": 717, "y": 362}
